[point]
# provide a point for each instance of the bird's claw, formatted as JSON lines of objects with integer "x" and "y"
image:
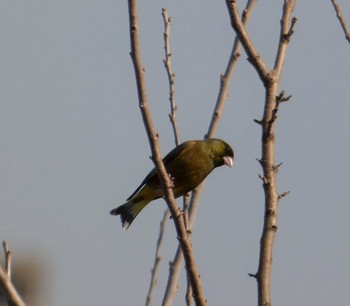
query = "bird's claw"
{"x": 171, "y": 179}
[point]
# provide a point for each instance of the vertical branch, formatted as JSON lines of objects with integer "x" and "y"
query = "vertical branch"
{"x": 156, "y": 157}
{"x": 171, "y": 75}
{"x": 270, "y": 79}
{"x": 8, "y": 258}
{"x": 12, "y": 296}
{"x": 225, "y": 81}
{"x": 172, "y": 117}
{"x": 341, "y": 20}
{"x": 286, "y": 31}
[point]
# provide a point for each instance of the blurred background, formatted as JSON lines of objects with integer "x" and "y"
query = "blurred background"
{"x": 73, "y": 146}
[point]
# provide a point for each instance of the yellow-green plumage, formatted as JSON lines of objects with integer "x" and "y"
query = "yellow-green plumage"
{"x": 187, "y": 165}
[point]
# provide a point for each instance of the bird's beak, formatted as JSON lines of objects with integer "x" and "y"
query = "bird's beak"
{"x": 228, "y": 161}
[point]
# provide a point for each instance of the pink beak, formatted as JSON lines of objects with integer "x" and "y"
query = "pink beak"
{"x": 228, "y": 161}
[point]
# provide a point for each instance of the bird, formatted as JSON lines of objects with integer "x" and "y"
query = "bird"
{"x": 187, "y": 165}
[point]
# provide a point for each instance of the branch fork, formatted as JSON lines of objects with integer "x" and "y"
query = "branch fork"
{"x": 270, "y": 79}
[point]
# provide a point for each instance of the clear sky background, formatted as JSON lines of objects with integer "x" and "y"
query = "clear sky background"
{"x": 73, "y": 146}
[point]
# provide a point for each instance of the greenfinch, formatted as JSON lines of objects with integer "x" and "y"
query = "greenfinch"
{"x": 187, "y": 166}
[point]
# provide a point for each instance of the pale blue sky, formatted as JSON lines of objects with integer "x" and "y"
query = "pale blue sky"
{"x": 73, "y": 146}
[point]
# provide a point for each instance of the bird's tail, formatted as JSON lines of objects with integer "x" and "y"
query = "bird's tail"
{"x": 129, "y": 211}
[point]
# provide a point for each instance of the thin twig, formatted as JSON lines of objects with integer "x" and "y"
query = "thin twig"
{"x": 172, "y": 117}
{"x": 157, "y": 160}
{"x": 279, "y": 99}
{"x": 173, "y": 276}
{"x": 171, "y": 75}
{"x": 185, "y": 205}
{"x": 225, "y": 79}
{"x": 154, "y": 280}
{"x": 12, "y": 296}
{"x": 341, "y": 19}
{"x": 8, "y": 258}
{"x": 282, "y": 195}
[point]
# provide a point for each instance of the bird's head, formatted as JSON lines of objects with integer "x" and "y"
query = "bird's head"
{"x": 220, "y": 152}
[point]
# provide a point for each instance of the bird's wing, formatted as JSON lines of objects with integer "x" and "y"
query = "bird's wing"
{"x": 169, "y": 158}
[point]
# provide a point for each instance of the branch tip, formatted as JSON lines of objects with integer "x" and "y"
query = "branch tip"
{"x": 254, "y": 275}
{"x": 275, "y": 168}
{"x": 264, "y": 179}
{"x": 341, "y": 20}
{"x": 282, "y": 195}
{"x": 279, "y": 165}
{"x": 286, "y": 37}
{"x": 260, "y": 161}
{"x": 281, "y": 98}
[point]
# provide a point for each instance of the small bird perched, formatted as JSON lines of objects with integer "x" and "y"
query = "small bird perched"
{"x": 187, "y": 165}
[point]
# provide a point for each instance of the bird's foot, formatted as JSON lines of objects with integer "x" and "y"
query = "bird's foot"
{"x": 171, "y": 179}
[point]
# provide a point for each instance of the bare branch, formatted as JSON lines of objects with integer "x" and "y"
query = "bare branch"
{"x": 225, "y": 81}
{"x": 270, "y": 79}
{"x": 156, "y": 157}
{"x": 185, "y": 205}
{"x": 154, "y": 280}
{"x": 173, "y": 276}
{"x": 12, "y": 296}
{"x": 341, "y": 19}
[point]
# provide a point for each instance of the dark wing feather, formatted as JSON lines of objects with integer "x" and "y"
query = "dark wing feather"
{"x": 170, "y": 157}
